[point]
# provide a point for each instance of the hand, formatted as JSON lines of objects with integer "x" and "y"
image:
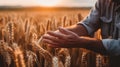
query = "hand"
{"x": 61, "y": 38}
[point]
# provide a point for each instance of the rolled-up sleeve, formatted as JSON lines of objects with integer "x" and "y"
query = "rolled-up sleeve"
{"x": 91, "y": 22}
{"x": 112, "y": 46}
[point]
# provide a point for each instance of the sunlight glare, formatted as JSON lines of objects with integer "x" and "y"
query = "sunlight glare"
{"x": 48, "y": 2}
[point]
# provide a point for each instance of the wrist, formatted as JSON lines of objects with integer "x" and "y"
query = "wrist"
{"x": 93, "y": 44}
{"x": 85, "y": 42}
{"x": 82, "y": 43}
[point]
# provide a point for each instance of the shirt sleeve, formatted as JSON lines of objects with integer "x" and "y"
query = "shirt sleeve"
{"x": 112, "y": 46}
{"x": 91, "y": 22}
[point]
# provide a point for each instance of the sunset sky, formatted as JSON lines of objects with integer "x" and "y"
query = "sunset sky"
{"x": 69, "y": 3}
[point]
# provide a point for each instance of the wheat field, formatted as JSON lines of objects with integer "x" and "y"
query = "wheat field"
{"x": 21, "y": 34}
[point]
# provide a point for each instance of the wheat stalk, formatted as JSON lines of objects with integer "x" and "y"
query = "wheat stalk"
{"x": 5, "y": 51}
{"x": 99, "y": 60}
{"x": 67, "y": 61}
{"x": 55, "y": 62}
{"x": 31, "y": 58}
{"x": 43, "y": 52}
{"x": 84, "y": 59}
{"x": 18, "y": 56}
{"x": 10, "y": 29}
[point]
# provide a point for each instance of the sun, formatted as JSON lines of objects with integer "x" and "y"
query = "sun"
{"x": 48, "y": 2}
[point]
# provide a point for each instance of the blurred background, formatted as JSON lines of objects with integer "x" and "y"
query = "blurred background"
{"x": 53, "y": 3}
{"x": 24, "y": 22}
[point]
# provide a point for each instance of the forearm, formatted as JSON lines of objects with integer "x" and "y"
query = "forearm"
{"x": 92, "y": 44}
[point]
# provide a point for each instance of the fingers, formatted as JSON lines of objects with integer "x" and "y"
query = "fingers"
{"x": 51, "y": 43}
{"x": 67, "y": 32}
{"x": 61, "y": 38}
{"x": 58, "y": 35}
{"x": 62, "y": 34}
{"x": 52, "y": 38}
